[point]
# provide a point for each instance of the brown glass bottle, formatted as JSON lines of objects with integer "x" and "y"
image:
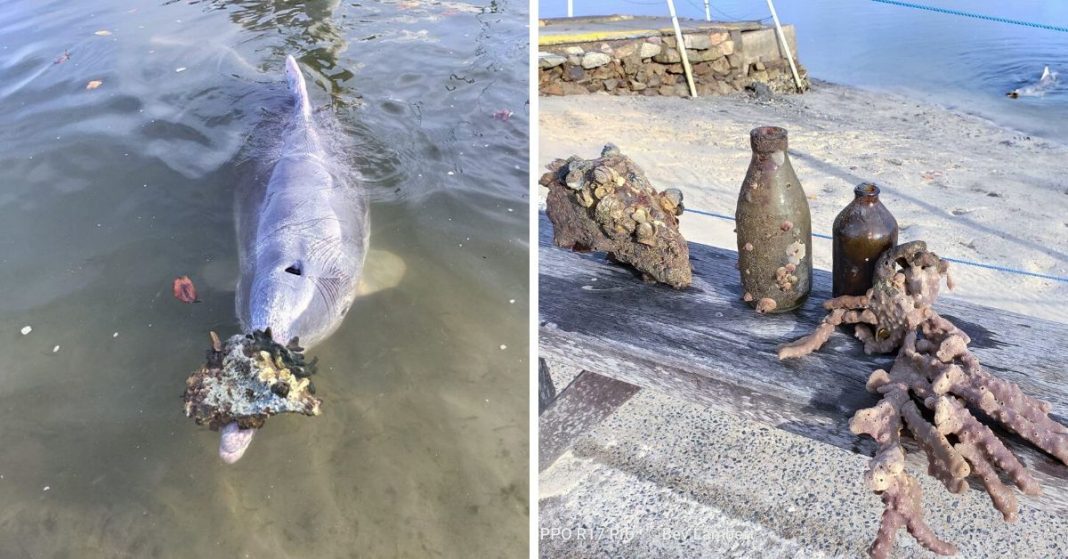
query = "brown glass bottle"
{"x": 862, "y": 231}
{"x": 774, "y": 227}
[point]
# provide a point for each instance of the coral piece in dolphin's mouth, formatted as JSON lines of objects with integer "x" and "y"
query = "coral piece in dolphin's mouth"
{"x": 248, "y": 379}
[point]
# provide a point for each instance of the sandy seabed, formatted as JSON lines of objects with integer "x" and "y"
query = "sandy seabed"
{"x": 973, "y": 190}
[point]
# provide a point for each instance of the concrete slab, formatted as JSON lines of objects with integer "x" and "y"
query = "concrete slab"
{"x": 556, "y": 31}
{"x": 661, "y": 478}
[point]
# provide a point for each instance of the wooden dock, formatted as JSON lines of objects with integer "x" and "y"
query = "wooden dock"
{"x": 705, "y": 345}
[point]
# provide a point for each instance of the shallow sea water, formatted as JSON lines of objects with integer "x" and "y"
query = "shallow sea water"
{"x": 107, "y": 194}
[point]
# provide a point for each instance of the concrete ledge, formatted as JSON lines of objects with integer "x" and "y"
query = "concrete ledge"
{"x": 630, "y": 55}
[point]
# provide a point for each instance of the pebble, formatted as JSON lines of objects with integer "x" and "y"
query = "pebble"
{"x": 26, "y": 330}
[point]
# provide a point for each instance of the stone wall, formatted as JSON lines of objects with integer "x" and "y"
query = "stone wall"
{"x": 724, "y": 60}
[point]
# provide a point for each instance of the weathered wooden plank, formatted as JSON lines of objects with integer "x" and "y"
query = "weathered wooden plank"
{"x": 546, "y": 390}
{"x": 705, "y": 345}
{"x": 579, "y": 407}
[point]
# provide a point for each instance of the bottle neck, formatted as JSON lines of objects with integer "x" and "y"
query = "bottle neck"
{"x": 867, "y": 194}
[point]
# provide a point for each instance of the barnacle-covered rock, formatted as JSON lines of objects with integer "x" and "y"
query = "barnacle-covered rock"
{"x": 934, "y": 369}
{"x": 248, "y": 379}
{"x": 607, "y": 204}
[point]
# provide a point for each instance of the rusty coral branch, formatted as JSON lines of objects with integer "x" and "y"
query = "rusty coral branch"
{"x": 933, "y": 368}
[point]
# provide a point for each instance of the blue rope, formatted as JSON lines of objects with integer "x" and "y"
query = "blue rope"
{"x": 1009, "y": 270}
{"x": 956, "y": 260}
{"x": 974, "y": 15}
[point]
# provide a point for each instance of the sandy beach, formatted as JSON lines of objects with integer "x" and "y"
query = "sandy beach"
{"x": 973, "y": 190}
{"x": 665, "y": 478}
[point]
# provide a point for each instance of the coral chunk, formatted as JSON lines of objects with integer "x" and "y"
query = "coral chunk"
{"x": 607, "y": 204}
{"x": 248, "y": 379}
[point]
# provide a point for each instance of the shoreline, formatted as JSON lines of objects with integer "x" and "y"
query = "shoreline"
{"x": 917, "y": 96}
{"x": 974, "y": 189}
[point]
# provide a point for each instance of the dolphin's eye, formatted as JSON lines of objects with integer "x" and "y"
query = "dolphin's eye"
{"x": 294, "y": 269}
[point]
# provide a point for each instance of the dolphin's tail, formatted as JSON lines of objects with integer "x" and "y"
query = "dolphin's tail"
{"x": 1045, "y": 73}
{"x": 297, "y": 87}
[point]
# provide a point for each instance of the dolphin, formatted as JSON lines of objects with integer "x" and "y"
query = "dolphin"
{"x": 1045, "y": 83}
{"x": 302, "y": 241}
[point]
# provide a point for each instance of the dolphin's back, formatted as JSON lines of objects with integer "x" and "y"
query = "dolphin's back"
{"x": 306, "y": 213}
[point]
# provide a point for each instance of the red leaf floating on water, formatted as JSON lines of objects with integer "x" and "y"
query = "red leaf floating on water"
{"x": 184, "y": 290}
{"x": 503, "y": 114}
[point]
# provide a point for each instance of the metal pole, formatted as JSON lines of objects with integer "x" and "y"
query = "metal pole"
{"x": 681, "y": 46}
{"x": 785, "y": 45}
{"x": 708, "y": 15}
{"x": 570, "y": 8}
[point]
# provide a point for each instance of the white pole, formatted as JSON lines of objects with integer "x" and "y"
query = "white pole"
{"x": 570, "y": 8}
{"x": 785, "y": 45}
{"x": 708, "y": 15}
{"x": 681, "y": 46}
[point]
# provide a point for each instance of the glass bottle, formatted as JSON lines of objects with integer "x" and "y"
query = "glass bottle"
{"x": 862, "y": 231}
{"x": 774, "y": 227}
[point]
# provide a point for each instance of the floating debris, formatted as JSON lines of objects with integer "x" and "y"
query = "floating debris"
{"x": 26, "y": 329}
{"x": 102, "y": 33}
{"x": 94, "y": 84}
{"x": 62, "y": 58}
{"x": 184, "y": 290}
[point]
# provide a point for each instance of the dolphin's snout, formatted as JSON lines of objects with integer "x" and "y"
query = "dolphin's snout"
{"x": 278, "y": 301}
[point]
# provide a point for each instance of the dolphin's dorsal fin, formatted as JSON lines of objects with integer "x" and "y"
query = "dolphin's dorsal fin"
{"x": 1045, "y": 73}
{"x": 297, "y": 87}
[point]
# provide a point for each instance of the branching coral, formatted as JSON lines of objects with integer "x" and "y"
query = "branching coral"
{"x": 249, "y": 379}
{"x": 607, "y": 204}
{"x": 934, "y": 368}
